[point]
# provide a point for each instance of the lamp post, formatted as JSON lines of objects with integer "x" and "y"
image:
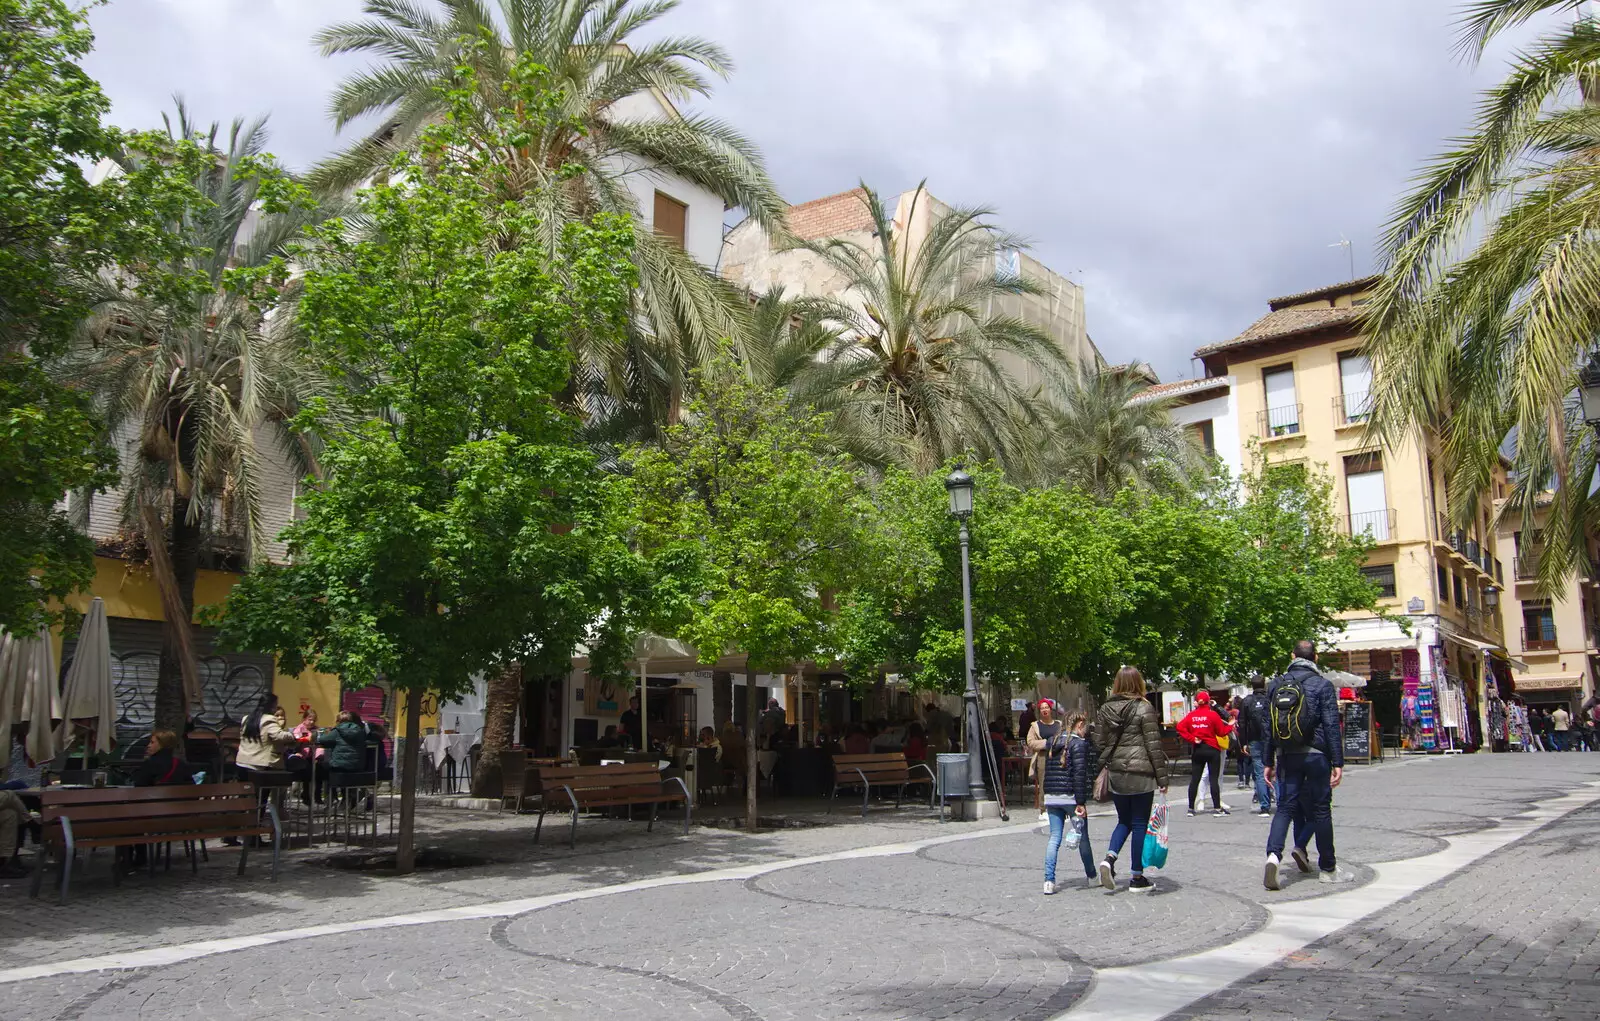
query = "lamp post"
{"x": 959, "y": 486}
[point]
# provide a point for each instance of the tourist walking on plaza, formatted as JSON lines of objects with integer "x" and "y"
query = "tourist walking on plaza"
{"x": 1128, "y": 735}
{"x": 1253, "y": 734}
{"x": 1306, "y": 755}
{"x": 1561, "y": 723}
{"x": 1070, "y": 765}
{"x": 1204, "y": 729}
{"x": 1039, "y": 734}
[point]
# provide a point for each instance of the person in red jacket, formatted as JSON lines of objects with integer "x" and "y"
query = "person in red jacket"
{"x": 1203, "y": 729}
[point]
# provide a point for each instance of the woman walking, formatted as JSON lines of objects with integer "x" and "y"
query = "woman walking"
{"x": 1070, "y": 765}
{"x": 1205, "y": 730}
{"x": 1039, "y": 735}
{"x": 1127, "y": 731}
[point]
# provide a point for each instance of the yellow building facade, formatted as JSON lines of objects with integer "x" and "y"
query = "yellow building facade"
{"x": 1552, "y": 637}
{"x": 1295, "y": 387}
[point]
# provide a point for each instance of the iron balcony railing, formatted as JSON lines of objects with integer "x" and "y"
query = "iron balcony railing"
{"x": 1540, "y": 639}
{"x": 1527, "y": 565}
{"x": 1352, "y": 408}
{"x": 1379, "y": 524}
{"x": 1284, "y": 421}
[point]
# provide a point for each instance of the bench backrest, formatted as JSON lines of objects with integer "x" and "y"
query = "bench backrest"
{"x": 878, "y": 767}
{"x": 109, "y": 812}
{"x": 614, "y": 781}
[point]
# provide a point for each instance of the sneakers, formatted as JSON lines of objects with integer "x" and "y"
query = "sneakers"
{"x": 1270, "y": 879}
{"x": 1044, "y": 816}
{"x": 1222, "y": 810}
{"x": 1191, "y": 813}
{"x": 1049, "y": 888}
{"x": 1302, "y": 860}
{"x": 1094, "y": 883}
{"x": 1108, "y": 873}
{"x": 1338, "y": 875}
{"x": 1263, "y": 811}
{"x": 1139, "y": 884}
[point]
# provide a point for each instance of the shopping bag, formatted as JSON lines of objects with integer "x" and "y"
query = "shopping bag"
{"x": 1155, "y": 838}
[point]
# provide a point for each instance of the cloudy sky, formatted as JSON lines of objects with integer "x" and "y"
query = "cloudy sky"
{"x": 1183, "y": 159}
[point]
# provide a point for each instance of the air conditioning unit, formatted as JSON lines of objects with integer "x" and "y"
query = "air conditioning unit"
{"x": 1458, "y": 539}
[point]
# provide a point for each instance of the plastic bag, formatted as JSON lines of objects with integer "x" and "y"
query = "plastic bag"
{"x": 1075, "y": 834}
{"x": 1156, "y": 837}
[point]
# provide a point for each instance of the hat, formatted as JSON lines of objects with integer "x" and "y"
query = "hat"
{"x": 1047, "y": 702}
{"x": 1202, "y": 697}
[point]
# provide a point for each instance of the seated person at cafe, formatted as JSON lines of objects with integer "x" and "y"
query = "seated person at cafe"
{"x": 13, "y": 813}
{"x": 609, "y": 739}
{"x": 708, "y": 739}
{"x": 857, "y": 742}
{"x": 346, "y": 744}
{"x": 162, "y": 765}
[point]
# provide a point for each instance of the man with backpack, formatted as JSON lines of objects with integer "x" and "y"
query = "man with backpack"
{"x": 1253, "y": 736}
{"x": 1306, "y": 755}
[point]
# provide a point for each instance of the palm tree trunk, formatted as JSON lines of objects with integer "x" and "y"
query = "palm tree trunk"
{"x": 183, "y": 555}
{"x": 502, "y": 695}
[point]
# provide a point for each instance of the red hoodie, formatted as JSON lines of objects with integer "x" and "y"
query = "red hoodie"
{"x": 1204, "y": 726}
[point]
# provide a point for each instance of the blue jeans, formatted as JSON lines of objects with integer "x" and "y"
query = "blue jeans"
{"x": 1258, "y": 768}
{"x": 1061, "y": 817}
{"x": 1133, "y": 819}
{"x": 1305, "y": 800}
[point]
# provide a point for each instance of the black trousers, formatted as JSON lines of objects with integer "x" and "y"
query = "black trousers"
{"x": 1201, "y": 756}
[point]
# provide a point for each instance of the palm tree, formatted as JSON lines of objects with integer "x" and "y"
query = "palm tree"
{"x": 919, "y": 372}
{"x": 590, "y": 71}
{"x": 1490, "y": 300}
{"x": 200, "y": 378}
{"x": 1102, "y": 437}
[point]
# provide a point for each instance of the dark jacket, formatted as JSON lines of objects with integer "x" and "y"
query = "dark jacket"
{"x": 1070, "y": 766}
{"x": 1322, "y": 704}
{"x": 1253, "y": 717}
{"x": 163, "y": 769}
{"x": 347, "y": 747}
{"x": 1128, "y": 735}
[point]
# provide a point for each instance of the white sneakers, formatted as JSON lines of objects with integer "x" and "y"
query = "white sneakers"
{"x": 1302, "y": 860}
{"x": 1338, "y": 875}
{"x": 1270, "y": 879}
{"x": 1049, "y": 888}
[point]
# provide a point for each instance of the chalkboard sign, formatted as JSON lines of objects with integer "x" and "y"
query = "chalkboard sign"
{"x": 1357, "y": 721}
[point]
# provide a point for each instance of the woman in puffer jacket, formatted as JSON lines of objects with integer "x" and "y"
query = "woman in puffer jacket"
{"x": 1070, "y": 765}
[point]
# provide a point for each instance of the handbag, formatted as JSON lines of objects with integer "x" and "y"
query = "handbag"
{"x": 1156, "y": 836}
{"x": 1102, "y": 783}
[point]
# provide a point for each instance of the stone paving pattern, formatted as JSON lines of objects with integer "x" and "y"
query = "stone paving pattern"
{"x": 955, "y": 930}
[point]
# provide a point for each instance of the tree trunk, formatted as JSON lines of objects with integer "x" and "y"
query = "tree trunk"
{"x": 752, "y": 771}
{"x": 405, "y": 853}
{"x": 183, "y": 553}
{"x": 721, "y": 697}
{"x": 502, "y": 695}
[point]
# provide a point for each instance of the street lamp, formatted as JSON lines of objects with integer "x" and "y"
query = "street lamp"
{"x": 959, "y": 486}
{"x": 1589, "y": 391}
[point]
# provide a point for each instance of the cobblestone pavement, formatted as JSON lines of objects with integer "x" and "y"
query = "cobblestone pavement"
{"x": 906, "y": 928}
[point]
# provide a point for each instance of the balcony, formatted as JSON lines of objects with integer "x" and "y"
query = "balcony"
{"x": 1352, "y": 409}
{"x": 1540, "y": 639}
{"x": 1527, "y": 565}
{"x": 1280, "y": 423}
{"x": 1378, "y": 525}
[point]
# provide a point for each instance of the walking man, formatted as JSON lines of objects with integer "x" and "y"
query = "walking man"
{"x": 1253, "y": 735}
{"x": 1306, "y": 756}
{"x": 1562, "y": 725}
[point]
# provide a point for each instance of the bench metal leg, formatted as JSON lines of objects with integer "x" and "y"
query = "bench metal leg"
{"x": 572, "y": 841}
{"x": 67, "y": 855}
{"x": 540, "y": 826}
{"x": 655, "y": 807}
{"x": 244, "y": 853}
{"x": 687, "y": 808}
{"x": 38, "y": 868}
{"x": 832, "y": 795}
{"x": 900, "y": 796}
{"x": 277, "y": 838}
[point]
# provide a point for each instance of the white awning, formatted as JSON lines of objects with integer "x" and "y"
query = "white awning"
{"x": 1470, "y": 642}
{"x": 1398, "y": 643}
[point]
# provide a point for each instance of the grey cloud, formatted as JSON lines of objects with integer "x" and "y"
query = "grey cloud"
{"x": 1185, "y": 161}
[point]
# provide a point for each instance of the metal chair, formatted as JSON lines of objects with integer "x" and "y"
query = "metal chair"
{"x": 344, "y": 790}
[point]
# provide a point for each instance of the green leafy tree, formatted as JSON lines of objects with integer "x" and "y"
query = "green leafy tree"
{"x": 57, "y": 231}
{"x": 778, "y": 518}
{"x": 193, "y": 361}
{"x": 1489, "y": 304}
{"x": 595, "y": 66}
{"x": 1046, "y": 582}
{"x": 918, "y": 375}
{"x": 1102, "y": 436}
{"x": 461, "y": 526}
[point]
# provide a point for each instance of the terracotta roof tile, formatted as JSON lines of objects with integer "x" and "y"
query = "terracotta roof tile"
{"x": 1286, "y": 323}
{"x": 1330, "y": 291}
{"x": 830, "y": 216}
{"x": 1178, "y": 387}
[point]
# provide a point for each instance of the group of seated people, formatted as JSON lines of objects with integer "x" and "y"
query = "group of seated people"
{"x": 310, "y": 753}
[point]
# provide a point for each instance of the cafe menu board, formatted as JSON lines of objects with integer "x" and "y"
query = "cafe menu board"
{"x": 1357, "y": 720}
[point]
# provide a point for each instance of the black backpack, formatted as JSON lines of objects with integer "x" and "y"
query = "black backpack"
{"x": 1290, "y": 713}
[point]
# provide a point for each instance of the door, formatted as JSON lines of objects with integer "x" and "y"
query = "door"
{"x": 1355, "y": 387}
{"x": 1283, "y": 411}
{"x": 1369, "y": 505}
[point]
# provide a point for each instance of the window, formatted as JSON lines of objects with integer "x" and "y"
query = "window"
{"x": 1461, "y": 593}
{"x": 1364, "y": 492}
{"x": 671, "y": 219}
{"x": 1538, "y": 624}
{"x": 1381, "y": 575}
{"x": 1205, "y": 437}
{"x": 1355, "y": 388}
{"x": 1283, "y": 413}
{"x": 1444, "y": 584}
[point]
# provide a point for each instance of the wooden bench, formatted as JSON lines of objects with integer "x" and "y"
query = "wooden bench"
{"x": 128, "y": 816}
{"x": 581, "y": 787}
{"x": 879, "y": 769}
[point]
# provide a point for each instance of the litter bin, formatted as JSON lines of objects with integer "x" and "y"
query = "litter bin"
{"x": 954, "y": 778}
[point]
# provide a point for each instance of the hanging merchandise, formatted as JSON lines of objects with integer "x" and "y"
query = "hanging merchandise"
{"x": 1427, "y": 717}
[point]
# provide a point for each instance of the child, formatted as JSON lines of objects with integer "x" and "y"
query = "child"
{"x": 1070, "y": 767}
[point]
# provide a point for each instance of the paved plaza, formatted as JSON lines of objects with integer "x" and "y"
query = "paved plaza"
{"x": 1473, "y": 888}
